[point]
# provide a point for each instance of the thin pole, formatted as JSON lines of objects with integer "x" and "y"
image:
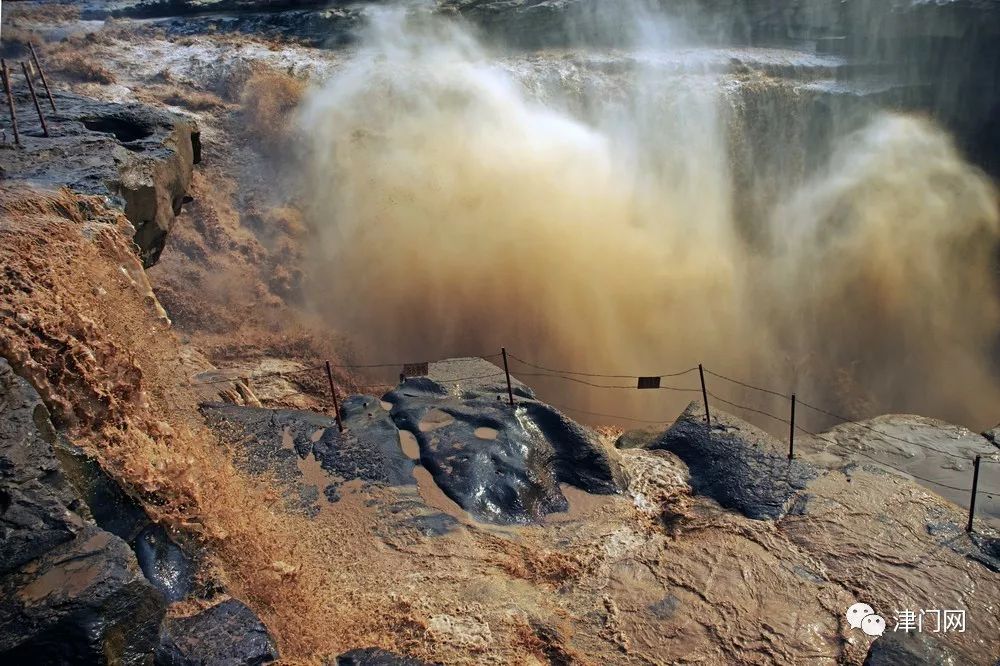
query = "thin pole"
{"x": 41, "y": 72}
{"x": 506, "y": 370}
{"x": 704, "y": 393}
{"x": 10, "y": 100}
{"x": 972, "y": 500}
{"x": 333, "y": 392}
{"x": 791, "y": 431}
{"x": 34, "y": 98}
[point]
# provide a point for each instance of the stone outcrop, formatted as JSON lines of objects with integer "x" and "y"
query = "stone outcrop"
{"x": 84, "y": 573}
{"x": 227, "y": 634}
{"x": 139, "y": 157}
{"x": 70, "y": 592}
{"x": 376, "y": 657}
{"x": 734, "y": 463}
{"x": 500, "y": 464}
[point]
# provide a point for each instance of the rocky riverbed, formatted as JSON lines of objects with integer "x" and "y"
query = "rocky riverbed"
{"x": 175, "y": 488}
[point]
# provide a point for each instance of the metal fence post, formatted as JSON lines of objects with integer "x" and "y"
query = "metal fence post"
{"x": 704, "y": 394}
{"x": 506, "y": 370}
{"x": 41, "y": 73}
{"x": 791, "y": 431}
{"x": 333, "y": 392}
{"x": 34, "y": 98}
{"x": 972, "y": 500}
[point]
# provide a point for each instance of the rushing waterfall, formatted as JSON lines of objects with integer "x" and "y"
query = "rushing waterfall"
{"x": 643, "y": 209}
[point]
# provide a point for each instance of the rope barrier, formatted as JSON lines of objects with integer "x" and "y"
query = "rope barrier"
{"x": 605, "y": 386}
{"x": 588, "y": 374}
{"x": 844, "y": 419}
{"x": 583, "y": 378}
{"x": 749, "y": 409}
{"x": 749, "y": 386}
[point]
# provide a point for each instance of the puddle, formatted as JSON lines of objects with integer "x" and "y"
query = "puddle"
{"x": 486, "y": 433}
{"x": 408, "y": 442}
{"x": 434, "y": 419}
{"x": 582, "y": 505}
{"x": 313, "y": 473}
{"x": 434, "y": 497}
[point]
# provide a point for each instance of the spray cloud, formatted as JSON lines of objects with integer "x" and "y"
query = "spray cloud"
{"x": 462, "y": 201}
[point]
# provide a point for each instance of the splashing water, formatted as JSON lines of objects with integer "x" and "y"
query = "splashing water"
{"x": 600, "y": 230}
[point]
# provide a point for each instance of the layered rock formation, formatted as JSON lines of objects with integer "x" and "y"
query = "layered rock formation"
{"x": 72, "y": 592}
{"x": 139, "y": 157}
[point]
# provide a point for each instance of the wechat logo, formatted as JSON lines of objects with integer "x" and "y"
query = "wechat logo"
{"x": 862, "y": 616}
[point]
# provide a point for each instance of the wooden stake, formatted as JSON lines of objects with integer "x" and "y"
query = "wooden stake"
{"x": 333, "y": 392}
{"x": 34, "y": 98}
{"x": 41, "y": 73}
{"x": 506, "y": 370}
{"x": 704, "y": 393}
{"x": 975, "y": 487}
{"x": 10, "y": 100}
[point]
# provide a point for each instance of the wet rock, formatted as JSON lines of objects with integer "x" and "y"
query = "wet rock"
{"x": 637, "y": 439}
{"x": 902, "y": 648}
{"x": 500, "y": 464}
{"x": 227, "y": 634}
{"x": 38, "y": 508}
{"x": 164, "y": 563}
{"x": 83, "y": 602}
{"x": 735, "y": 464}
{"x": 376, "y": 657}
{"x": 71, "y": 591}
{"x": 905, "y": 444}
{"x": 274, "y": 440}
{"x": 138, "y": 156}
{"x": 370, "y": 447}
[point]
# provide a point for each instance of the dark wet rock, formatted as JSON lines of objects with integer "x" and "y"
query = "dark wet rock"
{"x": 324, "y": 27}
{"x": 227, "y": 634}
{"x": 138, "y": 156}
{"x": 164, "y": 563}
{"x": 736, "y": 464}
{"x": 82, "y": 602}
{"x": 902, "y": 648}
{"x": 273, "y": 440}
{"x": 376, "y": 657}
{"x": 637, "y": 439}
{"x": 499, "y": 464}
{"x": 369, "y": 449}
{"x": 993, "y": 435}
{"x": 38, "y": 508}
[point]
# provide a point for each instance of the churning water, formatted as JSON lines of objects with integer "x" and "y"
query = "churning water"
{"x": 642, "y": 210}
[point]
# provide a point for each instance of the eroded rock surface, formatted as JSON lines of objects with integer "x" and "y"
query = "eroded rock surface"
{"x": 935, "y": 454}
{"x": 138, "y": 156}
{"x": 736, "y": 464}
{"x": 227, "y": 634}
{"x": 70, "y": 592}
{"x": 376, "y": 657}
{"x": 500, "y": 464}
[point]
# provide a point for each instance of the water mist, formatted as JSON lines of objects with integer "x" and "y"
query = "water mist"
{"x": 459, "y": 203}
